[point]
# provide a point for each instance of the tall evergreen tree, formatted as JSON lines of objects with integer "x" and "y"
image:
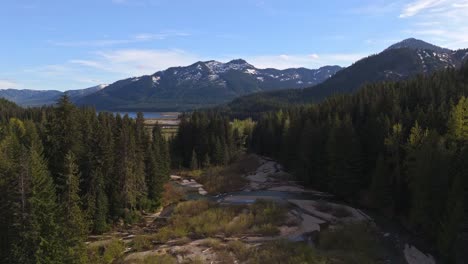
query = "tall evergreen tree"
{"x": 74, "y": 223}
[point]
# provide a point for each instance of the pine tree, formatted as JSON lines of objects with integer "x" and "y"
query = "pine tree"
{"x": 74, "y": 224}
{"x": 458, "y": 121}
{"x": 453, "y": 218}
{"x": 43, "y": 238}
{"x": 381, "y": 188}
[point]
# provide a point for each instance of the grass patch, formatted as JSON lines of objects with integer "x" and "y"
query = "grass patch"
{"x": 107, "y": 253}
{"x": 201, "y": 219}
{"x": 212, "y": 243}
{"x": 354, "y": 243}
{"x": 284, "y": 252}
{"x": 222, "y": 179}
{"x": 239, "y": 249}
{"x": 142, "y": 243}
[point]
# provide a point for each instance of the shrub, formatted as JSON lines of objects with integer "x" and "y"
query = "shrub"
{"x": 240, "y": 224}
{"x": 142, "y": 243}
{"x": 191, "y": 208}
{"x": 239, "y": 249}
{"x": 212, "y": 243}
{"x": 107, "y": 253}
{"x": 113, "y": 251}
{"x": 268, "y": 212}
{"x": 284, "y": 252}
{"x": 354, "y": 243}
{"x": 171, "y": 194}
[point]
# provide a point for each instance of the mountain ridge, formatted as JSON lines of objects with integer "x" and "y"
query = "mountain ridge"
{"x": 201, "y": 84}
{"x": 399, "y": 61}
{"x": 31, "y": 98}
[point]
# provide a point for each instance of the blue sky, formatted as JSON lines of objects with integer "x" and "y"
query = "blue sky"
{"x": 58, "y": 44}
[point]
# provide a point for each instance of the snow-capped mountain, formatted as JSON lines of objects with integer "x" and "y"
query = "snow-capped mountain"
{"x": 400, "y": 61}
{"x": 201, "y": 84}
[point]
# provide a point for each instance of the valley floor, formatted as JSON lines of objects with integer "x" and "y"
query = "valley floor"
{"x": 270, "y": 216}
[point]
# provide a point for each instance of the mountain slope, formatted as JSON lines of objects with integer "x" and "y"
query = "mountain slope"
{"x": 199, "y": 85}
{"x": 400, "y": 61}
{"x": 27, "y": 97}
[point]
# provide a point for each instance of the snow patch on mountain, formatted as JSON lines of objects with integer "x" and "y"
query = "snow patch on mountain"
{"x": 155, "y": 80}
{"x": 251, "y": 71}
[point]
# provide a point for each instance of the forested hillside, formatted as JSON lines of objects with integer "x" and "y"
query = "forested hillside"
{"x": 400, "y": 61}
{"x": 67, "y": 172}
{"x": 399, "y": 147}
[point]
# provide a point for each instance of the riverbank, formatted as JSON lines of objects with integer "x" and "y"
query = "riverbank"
{"x": 267, "y": 209}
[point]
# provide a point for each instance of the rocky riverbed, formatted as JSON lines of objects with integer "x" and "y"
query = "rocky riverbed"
{"x": 309, "y": 212}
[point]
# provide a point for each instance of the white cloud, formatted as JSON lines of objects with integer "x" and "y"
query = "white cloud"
{"x": 314, "y": 56}
{"x": 442, "y": 21}
{"x": 415, "y": 7}
{"x": 135, "y": 62}
{"x": 140, "y": 37}
{"x": 312, "y": 61}
{"x": 376, "y": 8}
{"x": 5, "y": 84}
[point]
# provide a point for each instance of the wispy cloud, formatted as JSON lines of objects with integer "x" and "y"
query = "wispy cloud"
{"x": 5, "y": 84}
{"x": 313, "y": 60}
{"x": 140, "y": 37}
{"x": 415, "y": 7}
{"x": 444, "y": 21}
{"x": 135, "y": 62}
{"x": 378, "y": 7}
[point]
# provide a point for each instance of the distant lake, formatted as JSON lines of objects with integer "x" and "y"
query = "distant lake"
{"x": 151, "y": 115}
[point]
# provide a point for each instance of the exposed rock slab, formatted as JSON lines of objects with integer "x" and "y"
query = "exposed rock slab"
{"x": 414, "y": 256}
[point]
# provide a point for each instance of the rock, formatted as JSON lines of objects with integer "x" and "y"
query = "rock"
{"x": 202, "y": 191}
{"x": 287, "y": 189}
{"x": 414, "y": 256}
{"x": 175, "y": 178}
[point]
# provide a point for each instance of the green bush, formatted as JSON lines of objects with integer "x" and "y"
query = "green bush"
{"x": 284, "y": 252}
{"x": 142, "y": 243}
{"x": 107, "y": 253}
{"x": 191, "y": 208}
{"x": 268, "y": 212}
{"x": 354, "y": 243}
{"x": 239, "y": 249}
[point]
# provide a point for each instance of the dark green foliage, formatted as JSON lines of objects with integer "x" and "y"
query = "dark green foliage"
{"x": 199, "y": 85}
{"x": 203, "y": 139}
{"x": 389, "y": 65}
{"x": 66, "y": 172}
{"x": 399, "y": 147}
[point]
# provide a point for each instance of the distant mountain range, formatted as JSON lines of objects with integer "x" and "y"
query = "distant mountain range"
{"x": 199, "y": 85}
{"x": 27, "y": 97}
{"x": 400, "y": 61}
{"x": 181, "y": 88}
{"x": 210, "y": 83}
